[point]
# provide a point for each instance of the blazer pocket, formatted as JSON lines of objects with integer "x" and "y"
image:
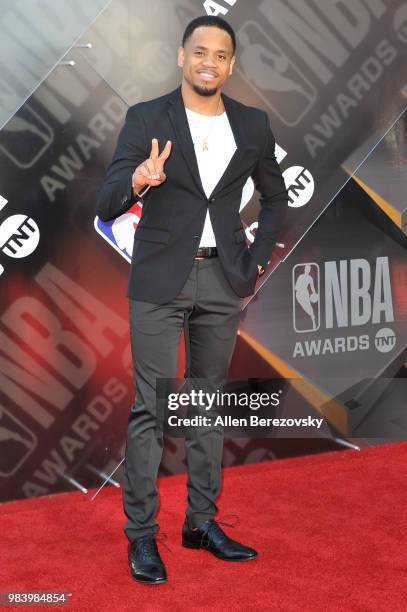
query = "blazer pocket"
{"x": 240, "y": 235}
{"x": 152, "y": 234}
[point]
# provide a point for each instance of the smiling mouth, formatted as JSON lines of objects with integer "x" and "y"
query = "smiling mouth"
{"x": 207, "y": 76}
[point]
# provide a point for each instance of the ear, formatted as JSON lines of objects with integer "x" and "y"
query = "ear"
{"x": 180, "y": 57}
{"x": 232, "y": 63}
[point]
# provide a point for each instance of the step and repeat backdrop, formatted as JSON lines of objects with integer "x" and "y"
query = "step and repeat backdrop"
{"x": 330, "y": 314}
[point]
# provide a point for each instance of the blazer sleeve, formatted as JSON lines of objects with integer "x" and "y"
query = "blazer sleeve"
{"x": 115, "y": 194}
{"x": 269, "y": 182}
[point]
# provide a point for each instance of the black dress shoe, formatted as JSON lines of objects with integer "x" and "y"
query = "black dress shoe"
{"x": 145, "y": 562}
{"x": 211, "y": 537}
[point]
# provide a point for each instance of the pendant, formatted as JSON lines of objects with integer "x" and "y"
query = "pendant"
{"x": 205, "y": 145}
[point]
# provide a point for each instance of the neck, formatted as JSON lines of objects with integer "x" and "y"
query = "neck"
{"x": 205, "y": 105}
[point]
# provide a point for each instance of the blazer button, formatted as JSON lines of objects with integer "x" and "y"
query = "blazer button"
{"x": 196, "y": 237}
{"x": 211, "y": 199}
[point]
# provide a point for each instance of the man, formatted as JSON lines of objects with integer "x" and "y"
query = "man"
{"x": 191, "y": 264}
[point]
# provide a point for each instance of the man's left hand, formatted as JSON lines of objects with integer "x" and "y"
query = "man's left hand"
{"x": 260, "y": 270}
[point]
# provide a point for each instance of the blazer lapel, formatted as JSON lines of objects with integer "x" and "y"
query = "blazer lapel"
{"x": 238, "y": 134}
{"x": 180, "y": 124}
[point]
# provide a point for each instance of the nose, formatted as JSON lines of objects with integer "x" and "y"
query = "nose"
{"x": 209, "y": 61}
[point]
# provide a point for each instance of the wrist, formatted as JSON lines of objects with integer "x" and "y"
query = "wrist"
{"x": 141, "y": 192}
{"x": 135, "y": 178}
{"x": 137, "y": 189}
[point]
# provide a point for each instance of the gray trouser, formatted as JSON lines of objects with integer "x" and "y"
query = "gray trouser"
{"x": 212, "y": 310}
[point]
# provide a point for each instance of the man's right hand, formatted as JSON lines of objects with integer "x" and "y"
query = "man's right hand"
{"x": 151, "y": 171}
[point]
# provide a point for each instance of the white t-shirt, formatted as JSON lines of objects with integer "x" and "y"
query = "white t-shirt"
{"x": 213, "y": 162}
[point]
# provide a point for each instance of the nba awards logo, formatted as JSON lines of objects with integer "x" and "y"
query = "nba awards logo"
{"x": 353, "y": 295}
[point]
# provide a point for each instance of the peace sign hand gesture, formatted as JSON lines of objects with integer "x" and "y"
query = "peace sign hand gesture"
{"x": 151, "y": 171}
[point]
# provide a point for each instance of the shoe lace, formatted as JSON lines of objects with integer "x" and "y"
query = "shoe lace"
{"x": 214, "y": 529}
{"x": 147, "y": 545}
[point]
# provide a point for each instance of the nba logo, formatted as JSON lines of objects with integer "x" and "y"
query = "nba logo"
{"x": 119, "y": 232}
{"x": 306, "y": 297}
{"x": 17, "y": 443}
{"x": 270, "y": 73}
{"x": 25, "y": 137}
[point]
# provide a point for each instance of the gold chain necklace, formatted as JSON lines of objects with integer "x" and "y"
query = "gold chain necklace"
{"x": 205, "y": 145}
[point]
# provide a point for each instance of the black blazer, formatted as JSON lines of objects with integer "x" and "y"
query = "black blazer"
{"x": 173, "y": 217}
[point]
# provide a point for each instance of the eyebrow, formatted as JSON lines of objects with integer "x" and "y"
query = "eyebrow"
{"x": 206, "y": 48}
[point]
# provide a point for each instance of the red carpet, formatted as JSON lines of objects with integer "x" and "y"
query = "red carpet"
{"x": 330, "y": 529}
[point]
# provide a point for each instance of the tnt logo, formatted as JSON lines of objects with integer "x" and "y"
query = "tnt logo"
{"x": 19, "y": 235}
{"x": 119, "y": 233}
{"x": 300, "y": 186}
{"x": 385, "y": 340}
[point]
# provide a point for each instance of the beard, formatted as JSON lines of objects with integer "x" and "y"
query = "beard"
{"x": 204, "y": 91}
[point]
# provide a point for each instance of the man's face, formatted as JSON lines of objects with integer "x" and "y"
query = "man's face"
{"x": 206, "y": 60}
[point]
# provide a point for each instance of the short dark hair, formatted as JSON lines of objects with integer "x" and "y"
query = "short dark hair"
{"x": 209, "y": 21}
